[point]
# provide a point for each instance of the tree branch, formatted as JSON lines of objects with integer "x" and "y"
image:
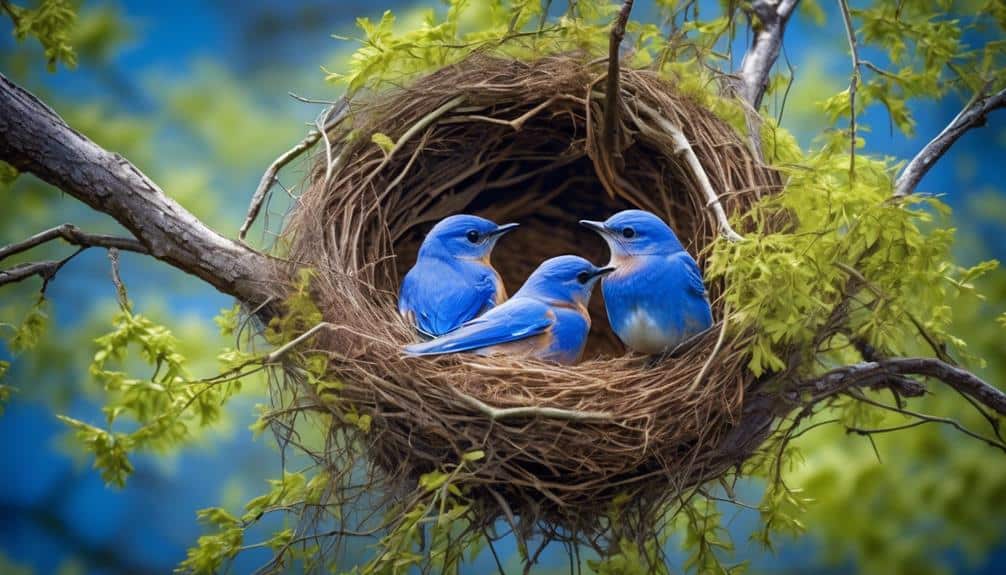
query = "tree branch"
{"x": 681, "y": 146}
{"x": 768, "y": 22}
{"x": 45, "y": 270}
{"x": 612, "y": 99}
{"x": 333, "y": 115}
{"x": 973, "y": 115}
{"x": 869, "y": 373}
{"x": 72, "y": 234}
{"x": 772, "y": 16}
{"x": 33, "y": 138}
{"x": 850, "y": 34}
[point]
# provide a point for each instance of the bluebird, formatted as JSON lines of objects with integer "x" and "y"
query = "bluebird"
{"x": 655, "y": 299}
{"x": 546, "y": 319}
{"x": 453, "y": 280}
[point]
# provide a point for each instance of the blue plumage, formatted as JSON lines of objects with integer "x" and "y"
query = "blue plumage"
{"x": 547, "y": 318}
{"x": 453, "y": 280}
{"x": 655, "y": 299}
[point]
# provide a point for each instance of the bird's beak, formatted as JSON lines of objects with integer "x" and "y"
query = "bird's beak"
{"x": 500, "y": 230}
{"x": 604, "y": 271}
{"x": 598, "y": 227}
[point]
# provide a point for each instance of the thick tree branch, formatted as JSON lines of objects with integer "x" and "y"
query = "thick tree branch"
{"x": 769, "y": 18}
{"x": 870, "y": 373}
{"x": 974, "y": 114}
{"x": 33, "y": 138}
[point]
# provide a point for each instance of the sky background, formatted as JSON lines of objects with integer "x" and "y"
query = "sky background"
{"x": 211, "y": 80}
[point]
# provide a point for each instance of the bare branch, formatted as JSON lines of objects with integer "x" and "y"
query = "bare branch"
{"x": 46, "y": 270}
{"x": 769, "y": 18}
{"x": 973, "y": 115}
{"x": 850, "y": 34}
{"x": 612, "y": 99}
{"x": 333, "y": 115}
{"x": 120, "y": 288}
{"x": 73, "y": 235}
{"x": 870, "y": 373}
{"x": 33, "y": 138}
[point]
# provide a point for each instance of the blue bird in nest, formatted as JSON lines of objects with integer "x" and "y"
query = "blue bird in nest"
{"x": 655, "y": 299}
{"x": 453, "y": 280}
{"x": 546, "y": 319}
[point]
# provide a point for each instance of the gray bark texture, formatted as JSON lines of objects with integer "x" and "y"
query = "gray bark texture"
{"x": 34, "y": 139}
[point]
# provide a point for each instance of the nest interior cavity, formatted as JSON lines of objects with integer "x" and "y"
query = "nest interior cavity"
{"x": 520, "y": 141}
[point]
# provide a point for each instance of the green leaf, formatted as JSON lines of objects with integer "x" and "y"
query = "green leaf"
{"x": 32, "y": 328}
{"x": 383, "y": 141}
{"x": 475, "y": 455}
{"x": 433, "y": 480}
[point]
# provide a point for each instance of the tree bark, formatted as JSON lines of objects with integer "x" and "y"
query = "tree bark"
{"x": 769, "y": 24}
{"x": 34, "y": 139}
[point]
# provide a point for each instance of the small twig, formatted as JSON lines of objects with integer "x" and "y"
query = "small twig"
{"x": 712, "y": 355}
{"x": 495, "y": 413}
{"x": 307, "y": 100}
{"x": 279, "y": 352}
{"x": 683, "y": 148}
{"x": 73, "y": 235}
{"x": 45, "y": 270}
{"x": 333, "y": 116}
{"x": 612, "y": 99}
{"x": 973, "y": 115}
{"x": 329, "y": 162}
{"x": 927, "y": 418}
{"x": 120, "y": 288}
{"x": 850, "y": 33}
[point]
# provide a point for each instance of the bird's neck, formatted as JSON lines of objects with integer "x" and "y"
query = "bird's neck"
{"x": 553, "y": 300}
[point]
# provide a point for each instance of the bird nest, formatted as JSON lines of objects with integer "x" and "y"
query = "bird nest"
{"x": 517, "y": 141}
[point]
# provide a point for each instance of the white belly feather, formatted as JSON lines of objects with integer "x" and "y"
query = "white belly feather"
{"x": 642, "y": 333}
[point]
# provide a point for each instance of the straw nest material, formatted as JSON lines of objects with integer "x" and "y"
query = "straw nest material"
{"x": 519, "y": 142}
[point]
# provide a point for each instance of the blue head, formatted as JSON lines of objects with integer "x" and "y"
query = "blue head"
{"x": 563, "y": 279}
{"x": 463, "y": 236}
{"x": 636, "y": 233}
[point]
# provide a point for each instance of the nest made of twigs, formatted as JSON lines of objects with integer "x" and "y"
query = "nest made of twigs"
{"x": 518, "y": 141}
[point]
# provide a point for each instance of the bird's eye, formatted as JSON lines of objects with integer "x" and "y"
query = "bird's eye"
{"x": 628, "y": 232}
{"x": 583, "y": 277}
{"x": 473, "y": 236}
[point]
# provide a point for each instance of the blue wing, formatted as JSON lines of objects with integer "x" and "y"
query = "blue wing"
{"x": 438, "y": 297}
{"x": 692, "y": 274}
{"x": 513, "y": 320}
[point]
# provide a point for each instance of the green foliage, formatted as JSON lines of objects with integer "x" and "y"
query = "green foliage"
{"x": 32, "y": 328}
{"x": 5, "y": 390}
{"x": 626, "y": 558}
{"x": 384, "y": 142}
{"x": 926, "y": 56}
{"x": 51, "y": 22}
{"x": 845, "y": 236}
{"x": 705, "y": 538}
{"x": 292, "y": 491}
{"x": 162, "y": 409}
